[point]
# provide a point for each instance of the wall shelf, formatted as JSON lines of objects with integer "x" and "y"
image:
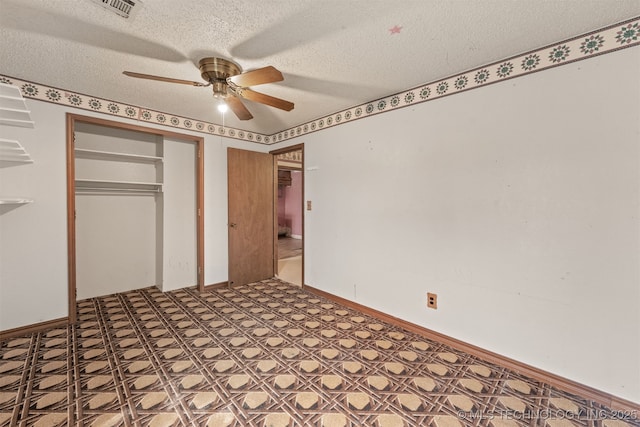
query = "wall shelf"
{"x": 109, "y": 155}
{"x": 13, "y": 153}
{"x": 4, "y": 201}
{"x": 8, "y": 204}
{"x": 13, "y": 112}
{"x": 13, "y": 109}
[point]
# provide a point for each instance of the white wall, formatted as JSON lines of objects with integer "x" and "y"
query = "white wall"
{"x": 517, "y": 203}
{"x": 33, "y": 238}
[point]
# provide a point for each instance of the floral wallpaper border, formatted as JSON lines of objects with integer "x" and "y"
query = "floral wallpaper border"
{"x": 606, "y": 40}
{"x": 31, "y": 90}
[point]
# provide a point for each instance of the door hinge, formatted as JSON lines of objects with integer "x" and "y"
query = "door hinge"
{"x": 198, "y": 211}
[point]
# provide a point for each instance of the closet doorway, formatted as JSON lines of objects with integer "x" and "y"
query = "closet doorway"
{"x": 135, "y": 208}
{"x": 290, "y": 214}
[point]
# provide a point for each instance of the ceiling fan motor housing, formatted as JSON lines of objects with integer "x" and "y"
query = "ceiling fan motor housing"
{"x": 216, "y": 71}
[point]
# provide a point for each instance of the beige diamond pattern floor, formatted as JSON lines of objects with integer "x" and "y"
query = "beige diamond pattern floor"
{"x": 265, "y": 354}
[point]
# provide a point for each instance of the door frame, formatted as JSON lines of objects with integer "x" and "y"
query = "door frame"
{"x": 275, "y": 153}
{"x": 72, "y": 119}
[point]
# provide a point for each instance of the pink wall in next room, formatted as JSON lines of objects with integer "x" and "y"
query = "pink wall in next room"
{"x": 290, "y": 209}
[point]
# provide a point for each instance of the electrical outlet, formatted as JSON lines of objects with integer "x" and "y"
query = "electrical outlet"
{"x": 432, "y": 300}
{"x": 308, "y": 205}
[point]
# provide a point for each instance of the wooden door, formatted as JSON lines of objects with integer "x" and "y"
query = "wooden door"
{"x": 251, "y": 225}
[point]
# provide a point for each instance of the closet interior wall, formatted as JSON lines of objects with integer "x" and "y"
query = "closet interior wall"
{"x": 124, "y": 213}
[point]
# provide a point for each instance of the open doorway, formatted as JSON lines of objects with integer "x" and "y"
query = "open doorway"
{"x": 290, "y": 214}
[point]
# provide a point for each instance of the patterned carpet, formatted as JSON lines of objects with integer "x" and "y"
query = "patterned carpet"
{"x": 266, "y": 354}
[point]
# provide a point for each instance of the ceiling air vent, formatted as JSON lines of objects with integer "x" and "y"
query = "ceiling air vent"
{"x": 124, "y": 8}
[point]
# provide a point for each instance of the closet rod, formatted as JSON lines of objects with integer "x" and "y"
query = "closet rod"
{"x": 107, "y": 189}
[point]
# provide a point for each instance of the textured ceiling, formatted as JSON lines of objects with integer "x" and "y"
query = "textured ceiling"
{"x": 334, "y": 54}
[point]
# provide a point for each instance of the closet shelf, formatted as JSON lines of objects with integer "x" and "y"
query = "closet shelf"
{"x": 117, "y": 186}
{"x": 13, "y": 109}
{"x": 107, "y": 155}
{"x": 12, "y": 152}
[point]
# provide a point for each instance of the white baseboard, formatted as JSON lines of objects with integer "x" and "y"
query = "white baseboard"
{"x": 296, "y": 236}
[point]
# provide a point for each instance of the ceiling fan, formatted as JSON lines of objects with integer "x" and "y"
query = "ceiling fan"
{"x": 230, "y": 84}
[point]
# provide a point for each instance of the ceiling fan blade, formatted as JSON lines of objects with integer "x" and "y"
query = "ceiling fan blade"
{"x": 266, "y": 99}
{"x": 238, "y": 107}
{"x": 257, "y": 77}
{"x": 162, "y": 79}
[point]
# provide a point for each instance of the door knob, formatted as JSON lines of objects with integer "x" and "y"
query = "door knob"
{"x": 233, "y": 225}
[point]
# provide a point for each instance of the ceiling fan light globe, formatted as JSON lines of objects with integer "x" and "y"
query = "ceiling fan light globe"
{"x": 222, "y": 107}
